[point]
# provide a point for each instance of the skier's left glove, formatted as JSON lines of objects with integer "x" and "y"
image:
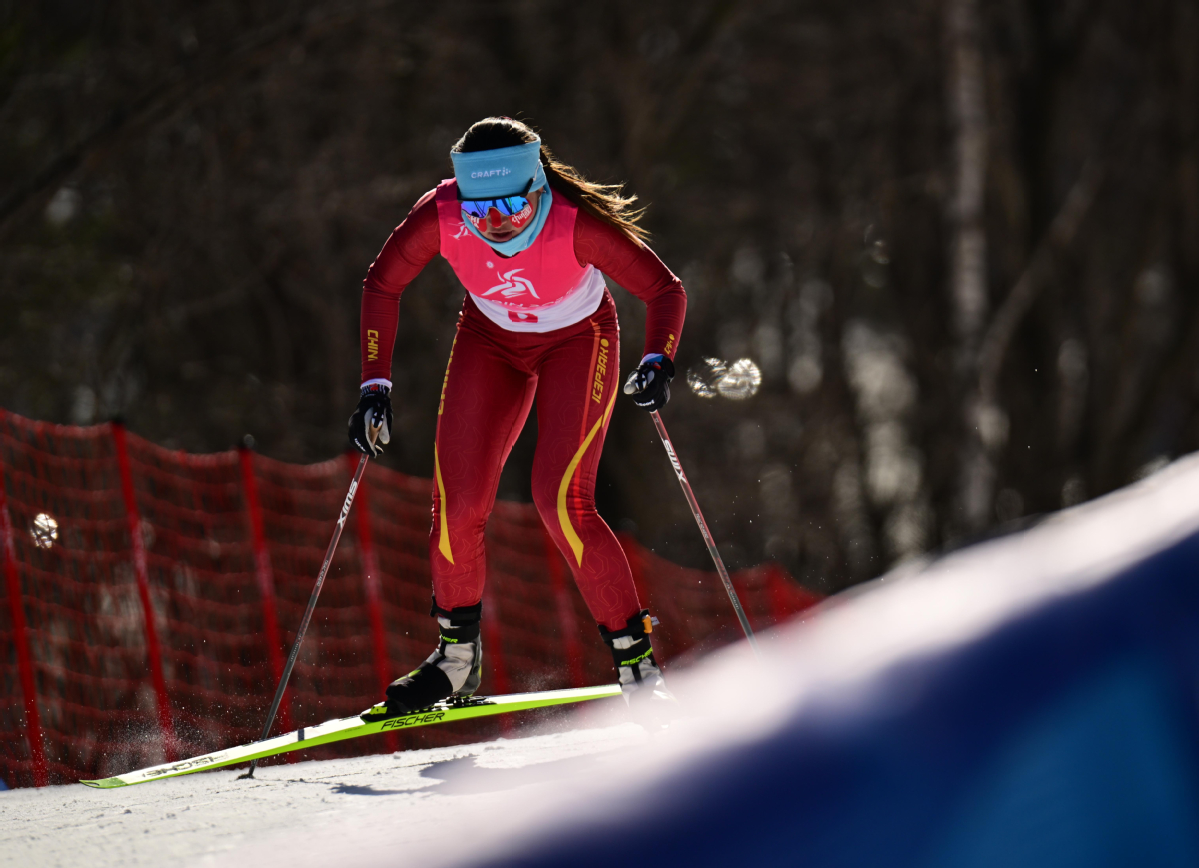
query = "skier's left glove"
{"x": 650, "y": 383}
{"x": 371, "y": 422}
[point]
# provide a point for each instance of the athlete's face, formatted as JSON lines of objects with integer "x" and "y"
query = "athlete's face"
{"x": 500, "y": 227}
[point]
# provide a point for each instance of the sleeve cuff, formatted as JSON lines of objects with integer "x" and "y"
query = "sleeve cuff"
{"x": 375, "y": 382}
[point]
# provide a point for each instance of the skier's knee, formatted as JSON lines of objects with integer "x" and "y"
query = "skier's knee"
{"x": 575, "y": 509}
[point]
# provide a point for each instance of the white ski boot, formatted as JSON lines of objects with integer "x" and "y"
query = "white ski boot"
{"x": 641, "y": 682}
{"x": 454, "y": 669}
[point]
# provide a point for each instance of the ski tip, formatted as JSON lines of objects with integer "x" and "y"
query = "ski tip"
{"x": 105, "y": 783}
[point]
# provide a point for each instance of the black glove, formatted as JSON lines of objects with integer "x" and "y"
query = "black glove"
{"x": 371, "y": 422}
{"x": 650, "y": 383}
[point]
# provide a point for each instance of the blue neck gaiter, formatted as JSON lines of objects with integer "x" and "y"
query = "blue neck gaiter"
{"x": 504, "y": 172}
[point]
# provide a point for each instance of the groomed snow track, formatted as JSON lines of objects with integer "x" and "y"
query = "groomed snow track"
{"x": 212, "y": 818}
{"x": 1029, "y": 701}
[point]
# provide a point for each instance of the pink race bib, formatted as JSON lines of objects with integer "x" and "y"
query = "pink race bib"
{"x": 529, "y": 286}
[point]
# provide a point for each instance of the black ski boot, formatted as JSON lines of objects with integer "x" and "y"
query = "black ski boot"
{"x": 454, "y": 669}
{"x": 641, "y": 683}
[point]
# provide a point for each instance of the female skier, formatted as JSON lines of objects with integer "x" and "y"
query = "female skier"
{"x": 530, "y": 239}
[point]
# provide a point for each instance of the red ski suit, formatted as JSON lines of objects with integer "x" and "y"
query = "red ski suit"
{"x": 494, "y": 374}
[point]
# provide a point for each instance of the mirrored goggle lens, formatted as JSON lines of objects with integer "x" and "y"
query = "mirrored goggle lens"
{"x": 507, "y": 206}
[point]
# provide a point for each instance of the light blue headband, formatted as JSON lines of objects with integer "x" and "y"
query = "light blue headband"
{"x": 504, "y": 172}
{"x": 499, "y": 172}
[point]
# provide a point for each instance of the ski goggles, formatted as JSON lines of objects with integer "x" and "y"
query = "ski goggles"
{"x": 508, "y": 206}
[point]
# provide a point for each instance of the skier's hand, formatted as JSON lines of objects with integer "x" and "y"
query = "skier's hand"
{"x": 371, "y": 422}
{"x": 650, "y": 383}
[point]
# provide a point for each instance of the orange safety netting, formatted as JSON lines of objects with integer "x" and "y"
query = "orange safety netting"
{"x": 100, "y": 528}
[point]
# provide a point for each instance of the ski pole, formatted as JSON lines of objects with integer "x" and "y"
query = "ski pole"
{"x": 316, "y": 592}
{"x": 703, "y": 529}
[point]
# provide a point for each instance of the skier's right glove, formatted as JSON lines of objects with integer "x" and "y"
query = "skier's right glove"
{"x": 371, "y": 422}
{"x": 650, "y": 383}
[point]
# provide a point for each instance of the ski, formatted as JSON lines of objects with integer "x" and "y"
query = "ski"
{"x": 371, "y": 721}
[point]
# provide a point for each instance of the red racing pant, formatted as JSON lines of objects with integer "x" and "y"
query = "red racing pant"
{"x": 490, "y": 383}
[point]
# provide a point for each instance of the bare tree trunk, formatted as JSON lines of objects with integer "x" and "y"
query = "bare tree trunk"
{"x": 968, "y": 254}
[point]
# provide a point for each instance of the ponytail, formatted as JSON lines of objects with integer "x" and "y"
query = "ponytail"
{"x": 604, "y": 202}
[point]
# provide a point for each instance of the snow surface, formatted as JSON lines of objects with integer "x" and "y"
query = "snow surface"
{"x": 469, "y": 805}
{"x": 213, "y": 819}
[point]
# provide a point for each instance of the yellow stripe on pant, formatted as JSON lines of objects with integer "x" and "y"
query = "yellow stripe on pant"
{"x": 576, "y": 544}
{"x": 444, "y": 544}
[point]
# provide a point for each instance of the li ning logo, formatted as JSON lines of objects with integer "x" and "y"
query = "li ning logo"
{"x": 492, "y": 173}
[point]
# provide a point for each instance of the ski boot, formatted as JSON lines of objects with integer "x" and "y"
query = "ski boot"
{"x": 454, "y": 669}
{"x": 641, "y": 683}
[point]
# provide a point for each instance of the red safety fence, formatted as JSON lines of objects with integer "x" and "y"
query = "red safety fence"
{"x": 151, "y": 597}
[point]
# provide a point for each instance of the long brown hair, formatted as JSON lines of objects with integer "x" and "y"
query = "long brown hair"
{"x": 605, "y": 202}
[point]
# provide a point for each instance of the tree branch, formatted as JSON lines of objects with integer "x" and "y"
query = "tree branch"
{"x": 177, "y": 89}
{"x": 1059, "y": 236}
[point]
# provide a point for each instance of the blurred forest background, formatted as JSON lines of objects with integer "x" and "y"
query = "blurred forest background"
{"x": 960, "y": 238}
